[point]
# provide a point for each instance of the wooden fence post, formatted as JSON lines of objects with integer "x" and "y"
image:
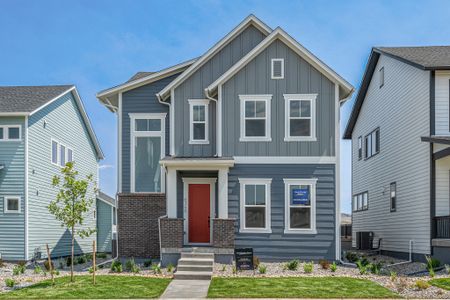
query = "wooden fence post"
{"x": 50, "y": 265}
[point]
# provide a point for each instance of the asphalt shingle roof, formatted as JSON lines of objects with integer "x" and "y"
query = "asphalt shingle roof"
{"x": 427, "y": 57}
{"x": 28, "y": 98}
{"x": 139, "y": 75}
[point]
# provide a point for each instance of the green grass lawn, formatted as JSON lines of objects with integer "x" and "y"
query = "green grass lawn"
{"x": 108, "y": 286}
{"x": 443, "y": 283}
{"x": 297, "y": 287}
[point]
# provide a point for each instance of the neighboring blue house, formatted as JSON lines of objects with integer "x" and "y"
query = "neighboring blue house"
{"x": 106, "y": 222}
{"x": 237, "y": 148}
{"x": 41, "y": 128}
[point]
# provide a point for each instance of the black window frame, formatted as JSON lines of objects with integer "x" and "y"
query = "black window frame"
{"x": 360, "y": 147}
{"x": 393, "y": 200}
{"x": 377, "y": 143}
{"x": 363, "y": 208}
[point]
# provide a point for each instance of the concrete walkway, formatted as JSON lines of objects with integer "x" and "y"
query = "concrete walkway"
{"x": 192, "y": 289}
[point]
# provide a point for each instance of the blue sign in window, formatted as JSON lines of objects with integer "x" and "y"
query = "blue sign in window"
{"x": 300, "y": 196}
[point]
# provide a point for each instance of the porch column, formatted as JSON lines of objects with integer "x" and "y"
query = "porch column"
{"x": 223, "y": 193}
{"x": 171, "y": 192}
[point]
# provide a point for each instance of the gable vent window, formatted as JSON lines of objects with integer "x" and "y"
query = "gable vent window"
{"x": 381, "y": 77}
{"x": 277, "y": 68}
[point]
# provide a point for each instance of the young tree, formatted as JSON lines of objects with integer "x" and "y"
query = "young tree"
{"x": 72, "y": 203}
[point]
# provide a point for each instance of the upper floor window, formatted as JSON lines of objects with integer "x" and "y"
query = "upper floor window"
{"x": 361, "y": 201}
{"x": 360, "y": 147}
{"x": 372, "y": 143}
{"x": 11, "y": 204}
{"x": 255, "y": 205}
{"x": 381, "y": 76}
{"x": 10, "y": 133}
{"x": 300, "y": 123}
{"x": 255, "y": 117}
{"x": 277, "y": 68}
{"x": 198, "y": 111}
{"x": 300, "y": 208}
{"x": 393, "y": 196}
{"x": 60, "y": 154}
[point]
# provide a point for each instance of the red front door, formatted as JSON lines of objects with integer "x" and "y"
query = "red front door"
{"x": 199, "y": 213}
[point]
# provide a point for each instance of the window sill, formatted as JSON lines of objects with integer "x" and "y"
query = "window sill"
{"x": 255, "y": 230}
{"x": 198, "y": 142}
{"x": 300, "y": 139}
{"x": 12, "y": 212}
{"x": 11, "y": 140}
{"x": 300, "y": 231}
{"x": 259, "y": 139}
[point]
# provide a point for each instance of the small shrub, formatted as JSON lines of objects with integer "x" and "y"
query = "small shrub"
{"x": 116, "y": 266}
{"x": 375, "y": 268}
{"x": 22, "y": 263}
{"x": 333, "y": 267}
{"x": 2, "y": 263}
{"x": 432, "y": 273}
{"x": 37, "y": 269}
{"x": 47, "y": 266}
{"x": 170, "y": 268}
{"x": 147, "y": 263}
{"x": 156, "y": 269}
{"x": 130, "y": 264}
{"x": 17, "y": 270}
{"x": 55, "y": 272}
{"x": 81, "y": 259}
{"x": 351, "y": 256}
{"x": 393, "y": 276}
{"x": 422, "y": 284}
{"x": 325, "y": 264}
{"x": 234, "y": 270}
{"x": 88, "y": 256}
{"x": 256, "y": 262}
{"x": 10, "y": 282}
{"x": 308, "y": 267}
{"x": 135, "y": 269}
{"x": 68, "y": 261}
{"x": 101, "y": 266}
{"x": 262, "y": 269}
{"x": 361, "y": 267}
{"x": 224, "y": 268}
{"x": 101, "y": 255}
{"x": 447, "y": 269}
{"x": 292, "y": 265}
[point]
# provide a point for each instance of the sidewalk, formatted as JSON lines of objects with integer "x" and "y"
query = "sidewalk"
{"x": 191, "y": 289}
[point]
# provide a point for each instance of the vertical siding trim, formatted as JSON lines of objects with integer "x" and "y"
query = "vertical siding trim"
{"x": 119, "y": 150}
{"x": 219, "y": 121}
{"x": 172, "y": 122}
{"x": 337, "y": 173}
{"x": 432, "y": 161}
{"x": 26, "y": 188}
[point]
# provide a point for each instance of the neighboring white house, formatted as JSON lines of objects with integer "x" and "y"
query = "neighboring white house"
{"x": 400, "y": 134}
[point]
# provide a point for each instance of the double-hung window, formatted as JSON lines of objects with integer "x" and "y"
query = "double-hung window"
{"x": 10, "y": 133}
{"x": 60, "y": 154}
{"x": 300, "y": 205}
{"x": 300, "y": 121}
{"x": 361, "y": 201}
{"x": 11, "y": 204}
{"x": 147, "y": 149}
{"x": 198, "y": 111}
{"x": 255, "y": 118}
{"x": 255, "y": 205}
{"x": 372, "y": 143}
{"x": 393, "y": 196}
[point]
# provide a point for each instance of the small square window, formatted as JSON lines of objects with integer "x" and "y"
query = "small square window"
{"x": 12, "y": 204}
{"x": 14, "y": 133}
{"x": 277, "y": 70}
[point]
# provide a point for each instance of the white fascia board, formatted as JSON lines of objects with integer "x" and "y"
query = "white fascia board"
{"x": 285, "y": 159}
{"x": 279, "y": 33}
{"x": 197, "y": 163}
{"x": 53, "y": 100}
{"x": 14, "y": 114}
{"x": 250, "y": 20}
{"x": 145, "y": 80}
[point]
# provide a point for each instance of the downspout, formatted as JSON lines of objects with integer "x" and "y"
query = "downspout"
{"x": 217, "y": 103}
{"x": 410, "y": 256}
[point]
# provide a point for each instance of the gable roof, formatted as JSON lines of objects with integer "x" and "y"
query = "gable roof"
{"x": 250, "y": 20}
{"x": 27, "y": 100}
{"x": 139, "y": 79}
{"x": 425, "y": 58}
{"x": 278, "y": 33}
{"x": 106, "y": 198}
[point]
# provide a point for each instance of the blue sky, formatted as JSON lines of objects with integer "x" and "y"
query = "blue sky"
{"x": 98, "y": 44}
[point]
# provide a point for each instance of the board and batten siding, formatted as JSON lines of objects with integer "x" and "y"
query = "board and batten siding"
{"x": 442, "y": 101}
{"x": 140, "y": 100}
{"x": 299, "y": 78}
{"x": 61, "y": 121}
{"x": 442, "y": 186}
{"x": 104, "y": 226}
{"x": 12, "y": 183}
{"x": 277, "y": 245}
{"x": 193, "y": 88}
{"x": 400, "y": 108}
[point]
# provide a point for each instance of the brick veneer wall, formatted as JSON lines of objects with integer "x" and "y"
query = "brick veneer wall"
{"x": 223, "y": 233}
{"x": 138, "y": 230}
{"x": 171, "y": 233}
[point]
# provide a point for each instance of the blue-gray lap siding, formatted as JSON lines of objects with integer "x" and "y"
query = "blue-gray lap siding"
{"x": 12, "y": 183}
{"x": 62, "y": 121}
{"x": 104, "y": 226}
{"x": 193, "y": 88}
{"x": 299, "y": 78}
{"x": 140, "y": 100}
{"x": 277, "y": 245}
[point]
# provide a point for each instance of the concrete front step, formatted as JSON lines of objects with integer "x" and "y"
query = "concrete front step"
{"x": 196, "y": 261}
{"x": 195, "y": 268}
{"x": 197, "y": 255}
{"x": 186, "y": 275}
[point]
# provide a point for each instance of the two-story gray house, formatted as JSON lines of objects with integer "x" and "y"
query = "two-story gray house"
{"x": 41, "y": 129}
{"x": 400, "y": 133}
{"x": 236, "y": 148}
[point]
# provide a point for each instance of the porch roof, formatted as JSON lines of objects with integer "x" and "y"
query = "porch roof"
{"x": 436, "y": 139}
{"x": 196, "y": 162}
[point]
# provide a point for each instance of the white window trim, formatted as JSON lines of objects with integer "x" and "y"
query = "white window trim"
{"x": 267, "y": 99}
{"x": 5, "y": 204}
{"x": 299, "y": 97}
{"x": 198, "y": 102}
{"x": 6, "y": 133}
{"x": 282, "y": 68}
{"x": 134, "y": 134}
{"x": 259, "y": 181}
{"x": 287, "y": 183}
{"x": 58, "y": 152}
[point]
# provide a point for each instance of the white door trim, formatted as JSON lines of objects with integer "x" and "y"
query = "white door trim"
{"x": 212, "y": 198}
